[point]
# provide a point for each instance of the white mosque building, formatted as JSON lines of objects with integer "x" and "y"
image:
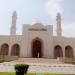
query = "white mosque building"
{"x": 37, "y": 40}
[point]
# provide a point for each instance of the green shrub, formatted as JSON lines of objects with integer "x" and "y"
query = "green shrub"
{"x": 21, "y": 69}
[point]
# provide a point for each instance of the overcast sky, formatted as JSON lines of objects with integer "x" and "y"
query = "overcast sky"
{"x": 44, "y": 11}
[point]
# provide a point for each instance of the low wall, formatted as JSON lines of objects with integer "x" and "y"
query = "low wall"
{"x": 65, "y": 59}
{"x": 8, "y": 58}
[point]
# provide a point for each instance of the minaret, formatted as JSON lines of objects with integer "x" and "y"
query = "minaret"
{"x": 58, "y": 21}
{"x": 13, "y": 25}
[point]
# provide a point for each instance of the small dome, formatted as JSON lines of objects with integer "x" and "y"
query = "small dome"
{"x": 36, "y": 23}
{"x": 14, "y": 13}
{"x": 58, "y": 14}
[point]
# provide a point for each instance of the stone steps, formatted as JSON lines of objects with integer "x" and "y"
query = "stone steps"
{"x": 38, "y": 60}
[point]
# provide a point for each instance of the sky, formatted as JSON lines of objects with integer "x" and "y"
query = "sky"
{"x": 44, "y": 11}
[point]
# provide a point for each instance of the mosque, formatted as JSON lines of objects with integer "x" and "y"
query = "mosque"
{"x": 37, "y": 41}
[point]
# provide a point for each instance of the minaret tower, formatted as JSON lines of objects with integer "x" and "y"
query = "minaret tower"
{"x": 58, "y": 21}
{"x": 13, "y": 25}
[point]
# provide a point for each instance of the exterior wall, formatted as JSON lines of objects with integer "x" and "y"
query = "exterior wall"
{"x": 63, "y": 42}
{"x": 30, "y": 32}
{"x": 45, "y": 36}
{"x": 10, "y": 40}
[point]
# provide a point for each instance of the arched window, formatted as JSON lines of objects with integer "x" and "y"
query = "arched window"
{"x": 58, "y": 51}
{"x": 15, "y": 50}
{"x": 4, "y": 49}
{"x": 69, "y": 51}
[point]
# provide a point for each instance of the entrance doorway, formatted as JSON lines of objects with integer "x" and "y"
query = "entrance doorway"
{"x": 37, "y": 48}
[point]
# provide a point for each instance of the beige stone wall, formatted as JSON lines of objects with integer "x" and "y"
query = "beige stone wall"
{"x": 63, "y": 42}
{"x": 45, "y": 36}
{"x": 10, "y": 40}
{"x": 37, "y": 30}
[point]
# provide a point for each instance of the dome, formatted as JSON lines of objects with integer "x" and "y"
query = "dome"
{"x": 36, "y": 23}
{"x": 14, "y": 13}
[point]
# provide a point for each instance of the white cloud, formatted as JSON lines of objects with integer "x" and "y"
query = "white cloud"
{"x": 53, "y": 7}
{"x": 69, "y": 29}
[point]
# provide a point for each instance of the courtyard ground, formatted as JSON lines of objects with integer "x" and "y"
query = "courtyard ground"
{"x": 37, "y": 66}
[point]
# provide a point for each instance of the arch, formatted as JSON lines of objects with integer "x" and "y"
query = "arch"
{"x": 58, "y": 51}
{"x": 4, "y": 49}
{"x": 69, "y": 51}
{"x": 15, "y": 50}
{"x": 36, "y": 48}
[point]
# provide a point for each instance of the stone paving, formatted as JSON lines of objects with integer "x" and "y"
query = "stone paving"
{"x": 39, "y": 67}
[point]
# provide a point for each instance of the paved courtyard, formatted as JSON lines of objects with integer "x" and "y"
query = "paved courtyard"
{"x": 39, "y": 67}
